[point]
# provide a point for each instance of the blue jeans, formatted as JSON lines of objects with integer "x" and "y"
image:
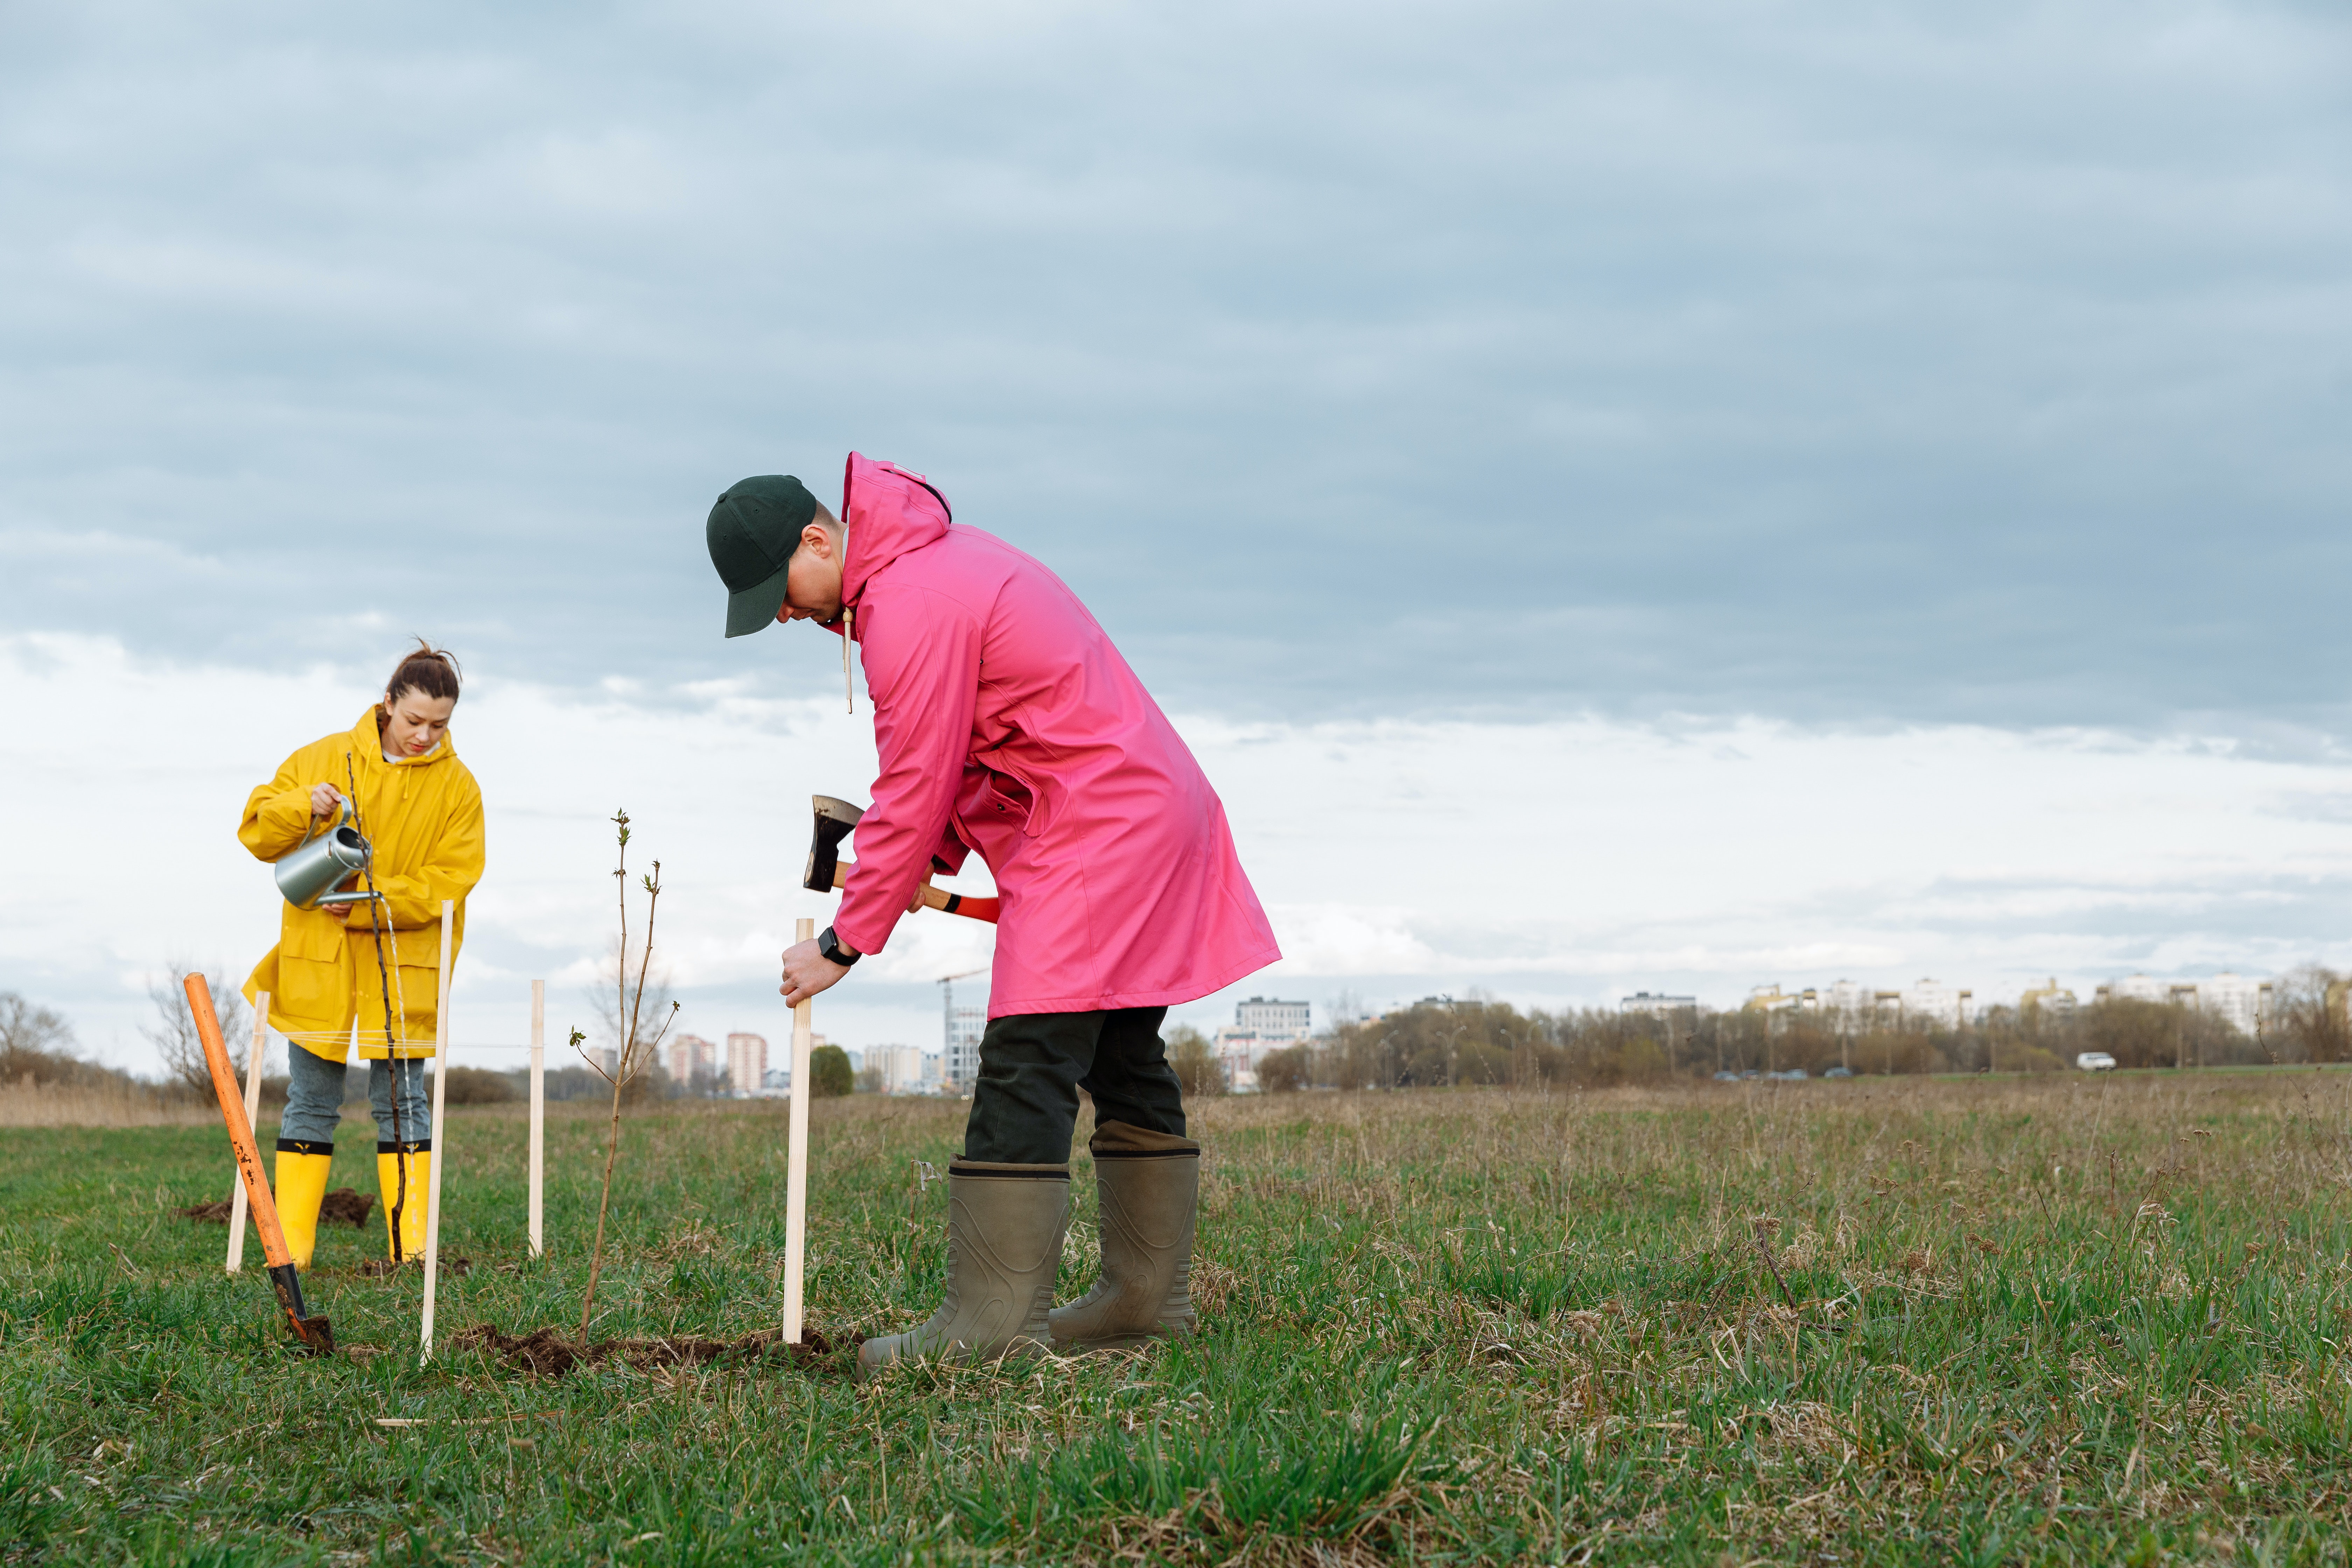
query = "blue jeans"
{"x": 314, "y": 1103}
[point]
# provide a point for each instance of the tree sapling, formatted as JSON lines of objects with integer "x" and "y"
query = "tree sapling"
{"x": 636, "y": 1050}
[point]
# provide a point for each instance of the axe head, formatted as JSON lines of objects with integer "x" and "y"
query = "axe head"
{"x": 835, "y": 819}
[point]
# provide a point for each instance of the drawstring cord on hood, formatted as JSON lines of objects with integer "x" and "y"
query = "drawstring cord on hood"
{"x": 848, "y": 613}
{"x": 379, "y": 915}
{"x": 848, "y": 636}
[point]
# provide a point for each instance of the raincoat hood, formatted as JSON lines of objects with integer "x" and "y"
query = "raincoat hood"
{"x": 888, "y": 511}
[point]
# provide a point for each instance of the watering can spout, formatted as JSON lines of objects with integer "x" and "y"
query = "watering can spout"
{"x": 310, "y": 872}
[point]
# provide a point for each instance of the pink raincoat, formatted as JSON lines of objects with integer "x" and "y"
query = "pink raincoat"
{"x": 1007, "y": 724}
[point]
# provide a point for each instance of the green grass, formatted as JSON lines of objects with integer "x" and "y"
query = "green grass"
{"x": 2035, "y": 1320}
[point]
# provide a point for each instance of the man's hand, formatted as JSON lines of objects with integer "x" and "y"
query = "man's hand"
{"x": 806, "y": 973}
{"x": 324, "y": 800}
{"x": 915, "y": 904}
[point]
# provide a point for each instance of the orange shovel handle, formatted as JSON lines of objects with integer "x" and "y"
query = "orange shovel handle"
{"x": 262, "y": 1203}
{"x": 312, "y": 1331}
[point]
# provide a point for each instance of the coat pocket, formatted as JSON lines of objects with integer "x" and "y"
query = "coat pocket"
{"x": 320, "y": 938}
{"x": 420, "y": 997}
{"x": 313, "y": 981}
{"x": 1009, "y": 801}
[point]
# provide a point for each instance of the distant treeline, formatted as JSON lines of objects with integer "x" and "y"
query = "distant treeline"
{"x": 1480, "y": 1041}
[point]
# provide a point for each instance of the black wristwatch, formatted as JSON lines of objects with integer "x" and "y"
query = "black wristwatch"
{"x": 830, "y": 946}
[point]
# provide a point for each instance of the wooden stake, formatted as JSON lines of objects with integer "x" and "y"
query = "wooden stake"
{"x": 797, "y": 1162}
{"x": 538, "y": 1110}
{"x": 440, "y": 1133}
{"x": 252, "y": 1110}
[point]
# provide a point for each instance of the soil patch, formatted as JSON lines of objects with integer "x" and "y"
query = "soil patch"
{"x": 384, "y": 1268}
{"x": 547, "y": 1352}
{"x": 344, "y": 1206}
{"x": 341, "y": 1206}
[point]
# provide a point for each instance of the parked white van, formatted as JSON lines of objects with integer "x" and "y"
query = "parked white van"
{"x": 2095, "y": 1061}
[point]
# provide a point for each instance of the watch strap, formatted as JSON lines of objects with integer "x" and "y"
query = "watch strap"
{"x": 829, "y": 945}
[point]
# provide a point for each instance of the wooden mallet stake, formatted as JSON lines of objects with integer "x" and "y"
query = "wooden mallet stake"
{"x": 538, "y": 1111}
{"x": 252, "y": 1114}
{"x": 440, "y": 1134}
{"x": 796, "y": 1160}
{"x": 313, "y": 1332}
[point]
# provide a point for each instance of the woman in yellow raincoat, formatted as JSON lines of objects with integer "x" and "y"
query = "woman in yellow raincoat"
{"x": 422, "y": 812}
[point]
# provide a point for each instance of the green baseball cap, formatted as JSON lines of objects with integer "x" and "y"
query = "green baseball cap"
{"x": 753, "y": 531}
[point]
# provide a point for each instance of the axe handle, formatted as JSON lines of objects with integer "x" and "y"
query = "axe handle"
{"x": 933, "y": 897}
{"x": 257, "y": 1196}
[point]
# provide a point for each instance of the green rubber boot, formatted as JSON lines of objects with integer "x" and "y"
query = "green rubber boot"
{"x": 1005, "y": 1241}
{"x": 1149, "y": 1184}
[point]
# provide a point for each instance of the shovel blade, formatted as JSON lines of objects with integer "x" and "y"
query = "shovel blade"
{"x": 315, "y": 1334}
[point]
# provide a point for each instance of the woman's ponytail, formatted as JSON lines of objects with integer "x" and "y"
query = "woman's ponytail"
{"x": 425, "y": 669}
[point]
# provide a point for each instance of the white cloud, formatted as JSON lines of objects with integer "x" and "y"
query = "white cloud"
{"x": 1561, "y": 863}
{"x": 1964, "y": 361}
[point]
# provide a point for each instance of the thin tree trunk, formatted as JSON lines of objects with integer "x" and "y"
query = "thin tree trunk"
{"x": 596, "y": 1257}
{"x": 630, "y": 1059}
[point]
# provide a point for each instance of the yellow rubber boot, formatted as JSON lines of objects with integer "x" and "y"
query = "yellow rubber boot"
{"x": 299, "y": 1187}
{"x": 410, "y": 1241}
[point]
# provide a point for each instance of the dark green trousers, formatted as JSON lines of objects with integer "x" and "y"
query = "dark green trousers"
{"x": 1032, "y": 1066}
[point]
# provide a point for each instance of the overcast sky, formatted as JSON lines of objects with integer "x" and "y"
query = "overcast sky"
{"x": 1965, "y": 378}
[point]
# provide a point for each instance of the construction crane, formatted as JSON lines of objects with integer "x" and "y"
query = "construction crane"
{"x": 946, "y": 1009}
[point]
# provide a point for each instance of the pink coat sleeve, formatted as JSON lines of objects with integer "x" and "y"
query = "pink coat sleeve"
{"x": 921, "y": 654}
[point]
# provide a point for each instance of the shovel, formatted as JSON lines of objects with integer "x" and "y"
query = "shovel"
{"x": 314, "y": 1334}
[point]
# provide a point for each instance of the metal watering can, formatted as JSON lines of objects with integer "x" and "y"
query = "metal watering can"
{"x": 307, "y": 873}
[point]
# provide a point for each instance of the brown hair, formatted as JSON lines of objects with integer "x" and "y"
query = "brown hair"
{"x": 423, "y": 669}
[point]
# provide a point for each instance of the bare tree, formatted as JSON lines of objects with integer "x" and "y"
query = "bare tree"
{"x": 1287, "y": 1070}
{"x": 612, "y": 1016}
{"x": 1195, "y": 1061}
{"x": 33, "y": 1040}
{"x": 174, "y": 1036}
{"x": 2311, "y": 1022}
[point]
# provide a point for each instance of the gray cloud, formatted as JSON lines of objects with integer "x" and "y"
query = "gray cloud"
{"x": 1857, "y": 365}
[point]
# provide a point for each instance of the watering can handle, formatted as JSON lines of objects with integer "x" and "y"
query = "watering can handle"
{"x": 311, "y": 829}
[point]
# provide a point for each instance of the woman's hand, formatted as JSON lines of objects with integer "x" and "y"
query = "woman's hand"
{"x": 806, "y": 973}
{"x": 915, "y": 903}
{"x": 324, "y": 801}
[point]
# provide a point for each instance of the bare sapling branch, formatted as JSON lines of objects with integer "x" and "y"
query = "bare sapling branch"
{"x": 634, "y": 1053}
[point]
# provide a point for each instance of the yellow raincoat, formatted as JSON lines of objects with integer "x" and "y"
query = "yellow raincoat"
{"x": 423, "y": 818}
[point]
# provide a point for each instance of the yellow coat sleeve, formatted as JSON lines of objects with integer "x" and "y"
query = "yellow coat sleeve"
{"x": 278, "y": 814}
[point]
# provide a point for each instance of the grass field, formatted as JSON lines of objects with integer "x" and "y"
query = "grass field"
{"x": 2034, "y": 1320}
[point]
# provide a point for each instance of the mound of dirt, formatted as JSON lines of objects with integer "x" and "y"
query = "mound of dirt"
{"x": 547, "y": 1352}
{"x": 344, "y": 1206}
{"x": 341, "y": 1206}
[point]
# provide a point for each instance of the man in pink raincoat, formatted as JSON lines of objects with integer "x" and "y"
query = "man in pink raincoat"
{"x": 1009, "y": 725}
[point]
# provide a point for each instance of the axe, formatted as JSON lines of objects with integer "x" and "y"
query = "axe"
{"x": 827, "y": 870}
{"x": 313, "y": 1332}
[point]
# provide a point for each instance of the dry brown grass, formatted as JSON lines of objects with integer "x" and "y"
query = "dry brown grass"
{"x": 98, "y": 1105}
